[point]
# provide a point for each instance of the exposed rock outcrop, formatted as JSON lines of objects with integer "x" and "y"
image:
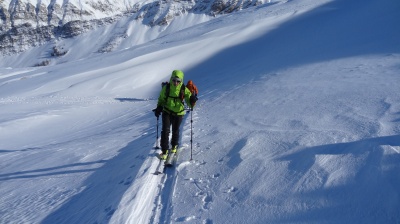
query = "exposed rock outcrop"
{"x": 24, "y": 25}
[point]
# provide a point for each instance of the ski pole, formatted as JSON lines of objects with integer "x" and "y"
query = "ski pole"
{"x": 191, "y": 135}
{"x": 157, "y": 135}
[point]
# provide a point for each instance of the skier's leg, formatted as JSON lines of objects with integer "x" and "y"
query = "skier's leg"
{"x": 176, "y": 123}
{"x": 166, "y": 124}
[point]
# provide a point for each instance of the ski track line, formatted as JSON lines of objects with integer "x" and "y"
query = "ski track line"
{"x": 140, "y": 198}
{"x": 163, "y": 209}
{"x": 167, "y": 194}
{"x": 150, "y": 192}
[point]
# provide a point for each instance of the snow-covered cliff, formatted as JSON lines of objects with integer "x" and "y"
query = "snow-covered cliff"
{"x": 28, "y": 23}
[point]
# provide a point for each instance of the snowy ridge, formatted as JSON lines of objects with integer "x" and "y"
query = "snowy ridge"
{"x": 298, "y": 121}
{"x": 32, "y": 23}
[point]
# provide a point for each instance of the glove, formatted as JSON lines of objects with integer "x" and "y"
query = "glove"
{"x": 193, "y": 100}
{"x": 158, "y": 111}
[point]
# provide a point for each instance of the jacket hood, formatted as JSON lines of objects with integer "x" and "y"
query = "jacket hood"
{"x": 177, "y": 73}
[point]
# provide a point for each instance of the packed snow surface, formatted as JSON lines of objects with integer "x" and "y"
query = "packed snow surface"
{"x": 298, "y": 121}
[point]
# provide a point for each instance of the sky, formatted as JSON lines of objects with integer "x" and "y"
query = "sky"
{"x": 298, "y": 120}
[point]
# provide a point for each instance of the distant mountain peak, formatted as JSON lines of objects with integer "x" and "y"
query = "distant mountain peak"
{"x": 29, "y": 23}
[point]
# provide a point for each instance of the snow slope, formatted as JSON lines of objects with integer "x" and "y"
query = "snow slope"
{"x": 298, "y": 122}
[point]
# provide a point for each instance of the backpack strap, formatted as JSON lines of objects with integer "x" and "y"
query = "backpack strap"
{"x": 167, "y": 92}
{"x": 181, "y": 93}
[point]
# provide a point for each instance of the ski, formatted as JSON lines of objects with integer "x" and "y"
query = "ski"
{"x": 163, "y": 164}
{"x": 171, "y": 160}
{"x": 160, "y": 168}
{"x": 168, "y": 163}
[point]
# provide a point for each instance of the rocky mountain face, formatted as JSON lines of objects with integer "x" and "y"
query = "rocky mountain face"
{"x": 29, "y": 23}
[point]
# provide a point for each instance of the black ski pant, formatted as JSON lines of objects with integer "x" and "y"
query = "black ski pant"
{"x": 169, "y": 120}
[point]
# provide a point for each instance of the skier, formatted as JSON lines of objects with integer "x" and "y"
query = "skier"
{"x": 171, "y": 105}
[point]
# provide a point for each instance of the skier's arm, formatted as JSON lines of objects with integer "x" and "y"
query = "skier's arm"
{"x": 161, "y": 98}
{"x": 190, "y": 98}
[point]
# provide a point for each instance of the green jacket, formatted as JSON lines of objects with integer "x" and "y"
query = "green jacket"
{"x": 173, "y": 104}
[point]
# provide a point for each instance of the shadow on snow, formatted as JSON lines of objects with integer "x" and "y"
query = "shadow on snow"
{"x": 105, "y": 187}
